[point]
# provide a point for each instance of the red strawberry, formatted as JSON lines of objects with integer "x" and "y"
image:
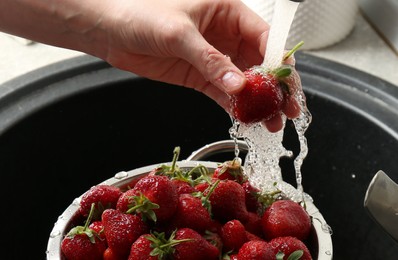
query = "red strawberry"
{"x": 81, "y": 242}
{"x": 191, "y": 213}
{"x": 286, "y": 218}
{"x": 154, "y": 197}
{"x": 154, "y": 246}
{"x": 127, "y": 201}
{"x": 141, "y": 249}
{"x": 121, "y": 230}
{"x": 214, "y": 239}
{"x": 104, "y": 197}
{"x": 228, "y": 201}
{"x": 202, "y": 186}
{"x": 230, "y": 170}
{"x": 79, "y": 247}
{"x": 233, "y": 235}
{"x": 288, "y": 246}
{"x": 253, "y": 224}
{"x": 256, "y": 250}
{"x": 196, "y": 248}
{"x": 233, "y": 257}
{"x": 260, "y": 100}
{"x": 183, "y": 187}
{"x": 267, "y": 93}
{"x": 98, "y": 228}
{"x": 251, "y": 194}
{"x": 110, "y": 254}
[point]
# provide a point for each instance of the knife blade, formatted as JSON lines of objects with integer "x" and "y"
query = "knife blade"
{"x": 381, "y": 202}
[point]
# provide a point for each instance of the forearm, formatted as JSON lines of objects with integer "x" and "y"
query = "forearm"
{"x": 65, "y": 24}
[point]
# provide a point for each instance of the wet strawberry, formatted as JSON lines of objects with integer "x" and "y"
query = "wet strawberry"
{"x": 196, "y": 248}
{"x": 154, "y": 246}
{"x": 260, "y": 100}
{"x": 214, "y": 239}
{"x": 201, "y": 187}
{"x": 286, "y": 218}
{"x": 288, "y": 246}
{"x": 230, "y": 170}
{"x": 183, "y": 187}
{"x": 153, "y": 197}
{"x": 266, "y": 94}
{"x": 82, "y": 242}
{"x": 256, "y": 250}
{"x": 104, "y": 197}
{"x": 228, "y": 201}
{"x": 251, "y": 195}
{"x": 110, "y": 254}
{"x": 79, "y": 247}
{"x": 98, "y": 228}
{"x": 233, "y": 235}
{"x": 233, "y": 257}
{"x": 192, "y": 213}
{"x": 141, "y": 249}
{"x": 253, "y": 224}
{"x": 121, "y": 230}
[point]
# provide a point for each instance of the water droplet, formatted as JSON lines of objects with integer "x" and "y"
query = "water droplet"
{"x": 55, "y": 233}
{"x": 326, "y": 228}
{"x": 328, "y": 253}
{"x": 121, "y": 175}
{"x": 353, "y": 176}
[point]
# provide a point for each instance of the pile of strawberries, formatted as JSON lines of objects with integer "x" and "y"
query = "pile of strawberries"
{"x": 175, "y": 213}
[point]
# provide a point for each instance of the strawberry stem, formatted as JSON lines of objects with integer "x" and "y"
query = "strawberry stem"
{"x": 206, "y": 200}
{"x": 175, "y": 158}
{"x": 90, "y": 216}
{"x": 292, "y": 51}
{"x": 144, "y": 206}
{"x": 163, "y": 247}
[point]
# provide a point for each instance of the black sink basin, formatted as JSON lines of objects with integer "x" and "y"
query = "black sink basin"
{"x": 66, "y": 127}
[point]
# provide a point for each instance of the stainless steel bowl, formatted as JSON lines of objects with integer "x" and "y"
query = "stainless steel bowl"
{"x": 320, "y": 238}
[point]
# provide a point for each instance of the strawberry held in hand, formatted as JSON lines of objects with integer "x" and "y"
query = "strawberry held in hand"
{"x": 267, "y": 94}
{"x": 261, "y": 99}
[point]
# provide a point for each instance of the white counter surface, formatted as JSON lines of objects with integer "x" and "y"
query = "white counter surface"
{"x": 363, "y": 49}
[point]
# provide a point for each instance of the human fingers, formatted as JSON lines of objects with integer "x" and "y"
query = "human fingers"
{"x": 216, "y": 68}
{"x": 274, "y": 124}
{"x": 291, "y": 107}
{"x": 238, "y": 26}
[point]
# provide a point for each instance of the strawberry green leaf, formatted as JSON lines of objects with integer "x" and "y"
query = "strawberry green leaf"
{"x": 296, "y": 255}
{"x": 144, "y": 206}
{"x": 279, "y": 256}
{"x": 283, "y": 71}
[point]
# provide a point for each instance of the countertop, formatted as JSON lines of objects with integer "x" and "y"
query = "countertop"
{"x": 363, "y": 49}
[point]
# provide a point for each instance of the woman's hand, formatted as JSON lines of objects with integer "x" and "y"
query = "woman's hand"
{"x": 201, "y": 44}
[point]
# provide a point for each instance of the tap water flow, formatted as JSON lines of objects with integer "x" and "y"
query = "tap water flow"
{"x": 282, "y": 19}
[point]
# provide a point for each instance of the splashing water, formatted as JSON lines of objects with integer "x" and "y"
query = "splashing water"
{"x": 265, "y": 148}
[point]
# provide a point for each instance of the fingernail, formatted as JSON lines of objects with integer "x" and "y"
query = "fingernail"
{"x": 232, "y": 81}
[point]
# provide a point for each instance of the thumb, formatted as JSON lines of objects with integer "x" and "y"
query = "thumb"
{"x": 215, "y": 67}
